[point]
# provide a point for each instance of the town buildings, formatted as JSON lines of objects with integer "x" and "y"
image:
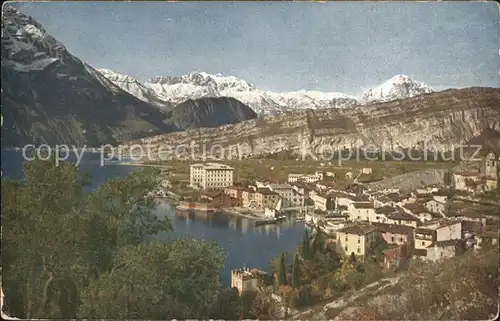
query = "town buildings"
{"x": 210, "y": 176}
{"x": 356, "y": 239}
{"x": 396, "y": 234}
{"x": 244, "y": 280}
{"x": 322, "y": 201}
{"x": 265, "y": 198}
{"x": 308, "y": 178}
{"x": 218, "y": 199}
{"x": 291, "y": 197}
{"x": 443, "y": 249}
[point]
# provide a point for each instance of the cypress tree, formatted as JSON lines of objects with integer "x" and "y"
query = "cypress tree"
{"x": 318, "y": 243}
{"x": 306, "y": 247}
{"x": 296, "y": 272}
{"x": 282, "y": 280}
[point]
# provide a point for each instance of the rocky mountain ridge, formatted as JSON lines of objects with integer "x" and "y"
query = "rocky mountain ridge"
{"x": 399, "y": 86}
{"x": 209, "y": 112}
{"x": 51, "y": 97}
{"x": 440, "y": 120}
{"x": 177, "y": 89}
{"x": 135, "y": 88}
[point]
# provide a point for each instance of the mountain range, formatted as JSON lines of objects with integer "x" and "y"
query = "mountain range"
{"x": 50, "y": 96}
{"x": 440, "y": 121}
{"x": 176, "y": 89}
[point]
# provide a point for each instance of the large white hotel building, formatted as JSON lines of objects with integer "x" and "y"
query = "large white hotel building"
{"x": 210, "y": 176}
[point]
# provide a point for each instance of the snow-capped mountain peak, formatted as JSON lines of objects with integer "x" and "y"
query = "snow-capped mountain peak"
{"x": 133, "y": 87}
{"x": 199, "y": 84}
{"x": 216, "y": 82}
{"x": 397, "y": 87}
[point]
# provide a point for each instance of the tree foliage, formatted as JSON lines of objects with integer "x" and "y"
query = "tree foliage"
{"x": 282, "y": 267}
{"x": 296, "y": 272}
{"x": 67, "y": 253}
{"x": 305, "y": 247}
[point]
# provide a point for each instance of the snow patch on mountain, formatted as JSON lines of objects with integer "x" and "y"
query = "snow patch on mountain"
{"x": 398, "y": 87}
{"x": 26, "y": 46}
{"x": 133, "y": 87}
{"x": 202, "y": 84}
{"x": 195, "y": 85}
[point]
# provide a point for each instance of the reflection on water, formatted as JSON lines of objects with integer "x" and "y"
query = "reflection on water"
{"x": 245, "y": 244}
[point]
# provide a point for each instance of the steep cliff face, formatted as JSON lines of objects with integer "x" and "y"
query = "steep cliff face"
{"x": 210, "y": 112}
{"x": 441, "y": 120}
{"x": 50, "y": 96}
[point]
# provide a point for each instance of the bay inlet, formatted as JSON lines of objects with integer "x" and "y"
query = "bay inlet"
{"x": 244, "y": 243}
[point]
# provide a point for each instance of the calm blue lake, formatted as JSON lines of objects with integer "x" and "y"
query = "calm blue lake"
{"x": 245, "y": 245}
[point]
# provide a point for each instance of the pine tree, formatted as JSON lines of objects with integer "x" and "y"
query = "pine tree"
{"x": 282, "y": 279}
{"x": 296, "y": 272}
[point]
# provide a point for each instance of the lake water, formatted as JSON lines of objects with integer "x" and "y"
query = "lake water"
{"x": 245, "y": 244}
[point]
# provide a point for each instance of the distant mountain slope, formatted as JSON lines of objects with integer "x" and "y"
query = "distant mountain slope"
{"x": 210, "y": 112}
{"x": 441, "y": 120}
{"x": 135, "y": 88}
{"x": 201, "y": 84}
{"x": 177, "y": 89}
{"x": 398, "y": 87}
{"x": 50, "y": 96}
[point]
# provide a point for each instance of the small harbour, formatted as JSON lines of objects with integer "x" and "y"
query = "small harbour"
{"x": 245, "y": 244}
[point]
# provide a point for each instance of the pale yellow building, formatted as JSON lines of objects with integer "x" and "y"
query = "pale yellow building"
{"x": 210, "y": 176}
{"x": 265, "y": 198}
{"x": 244, "y": 280}
{"x": 356, "y": 239}
{"x": 491, "y": 184}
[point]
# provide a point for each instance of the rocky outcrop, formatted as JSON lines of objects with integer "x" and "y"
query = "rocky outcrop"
{"x": 50, "y": 96}
{"x": 441, "y": 120}
{"x": 411, "y": 181}
{"x": 209, "y": 112}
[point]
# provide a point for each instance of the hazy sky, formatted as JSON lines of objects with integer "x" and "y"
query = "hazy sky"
{"x": 285, "y": 46}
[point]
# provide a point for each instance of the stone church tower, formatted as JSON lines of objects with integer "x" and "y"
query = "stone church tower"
{"x": 491, "y": 166}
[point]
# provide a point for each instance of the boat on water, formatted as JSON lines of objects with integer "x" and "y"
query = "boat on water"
{"x": 272, "y": 220}
{"x": 265, "y": 222}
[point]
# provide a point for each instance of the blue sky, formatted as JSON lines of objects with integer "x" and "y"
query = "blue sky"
{"x": 284, "y": 46}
